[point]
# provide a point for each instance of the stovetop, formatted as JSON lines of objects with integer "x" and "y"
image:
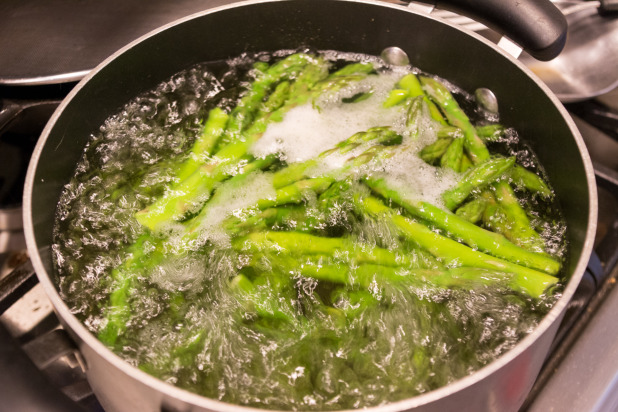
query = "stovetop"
{"x": 579, "y": 375}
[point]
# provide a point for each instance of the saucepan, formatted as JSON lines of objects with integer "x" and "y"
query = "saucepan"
{"x": 433, "y": 46}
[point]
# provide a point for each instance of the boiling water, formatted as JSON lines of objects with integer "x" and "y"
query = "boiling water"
{"x": 392, "y": 342}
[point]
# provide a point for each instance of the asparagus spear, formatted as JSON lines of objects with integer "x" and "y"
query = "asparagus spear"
{"x": 354, "y": 69}
{"x": 147, "y": 252}
{"x": 434, "y": 152}
{"x": 412, "y": 85}
{"x": 277, "y": 99}
{"x": 203, "y": 146}
{"x": 455, "y": 254}
{"x": 409, "y": 88}
{"x": 477, "y": 178}
{"x": 395, "y": 97}
{"x": 341, "y": 78}
{"x": 438, "y": 92}
{"x": 376, "y": 136}
{"x": 490, "y": 132}
{"x": 191, "y": 193}
{"x": 451, "y": 132}
{"x": 195, "y": 190}
{"x": 414, "y": 113}
{"x": 275, "y": 218}
{"x": 188, "y": 196}
{"x": 466, "y": 164}
{"x": 191, "y": 226}
{"x": 380, "y": 134}
{"x": 297, "y": 192}
{"x": 143, "y": 254}
{"x": 521, "y": 231}
{"x": 365, "y": 273}
{"x": 474, "y": 236}
{"x": 453, "y": 155}
{"x": 474, "y": 210}
{"x": 298, "y": 244}
{"x": 243, "y": 115}
{"x": 530, "y": 181}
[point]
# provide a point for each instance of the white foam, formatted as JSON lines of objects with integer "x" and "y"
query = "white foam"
{"x": 230, "y": 199}
{"x": 308, "y": 130}
{"x": 414, "y": 179}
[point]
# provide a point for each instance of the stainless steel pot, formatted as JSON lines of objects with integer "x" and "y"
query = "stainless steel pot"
{"x": 356, "y": 26}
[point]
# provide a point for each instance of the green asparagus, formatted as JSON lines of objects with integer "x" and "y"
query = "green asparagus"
{"x": 521, "y": 231}
{"x": 247, "y": 123}
{"x": 477, "y": 179}
{"x": 332, "y": 242}
{"x": 455, "y": 254}
{"x": 475, "y": 147}
{"x": 476, "y": 237}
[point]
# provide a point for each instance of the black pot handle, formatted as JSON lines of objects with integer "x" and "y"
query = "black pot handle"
{"x": 536, "y": 25}
{"x": 608, "y": 7}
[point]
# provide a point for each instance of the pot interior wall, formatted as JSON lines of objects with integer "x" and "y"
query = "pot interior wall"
{"x": 348, "y": 26}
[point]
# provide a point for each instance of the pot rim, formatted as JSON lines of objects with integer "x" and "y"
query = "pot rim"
{"x": 78, "y": 328}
